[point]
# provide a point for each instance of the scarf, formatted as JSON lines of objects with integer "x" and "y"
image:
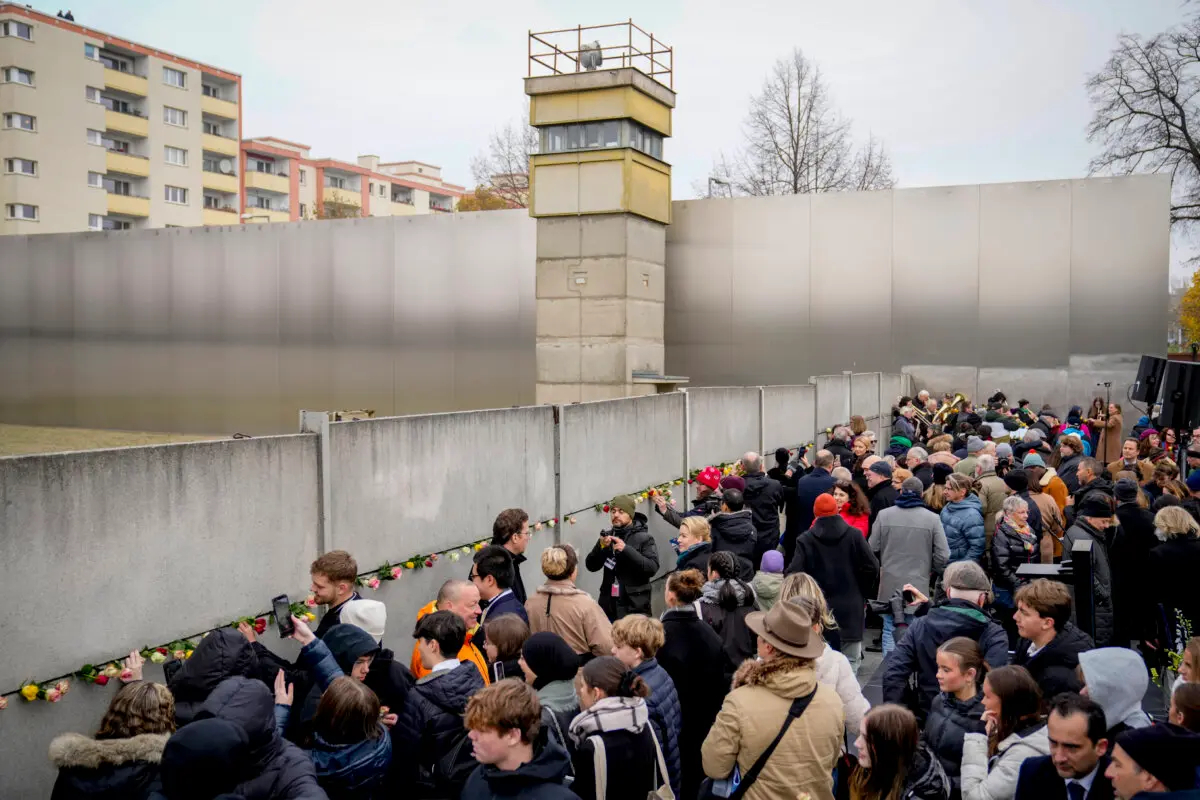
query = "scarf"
{"x": 610, "y": 714}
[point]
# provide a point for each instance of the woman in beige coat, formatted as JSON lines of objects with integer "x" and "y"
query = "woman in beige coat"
{"x": 572, "y": 613}
{"x": 1108, "y": 448}
{"x": 755, "y": 711}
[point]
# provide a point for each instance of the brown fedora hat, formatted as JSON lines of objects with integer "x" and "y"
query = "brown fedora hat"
{"x": 787, "y": 628}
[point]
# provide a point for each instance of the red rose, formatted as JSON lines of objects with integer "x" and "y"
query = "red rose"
{"x": 162, "y": 650}
{"x": 429, "y": 562}
{"x": 606, "y": 508}
{"x": 101, "y": 680}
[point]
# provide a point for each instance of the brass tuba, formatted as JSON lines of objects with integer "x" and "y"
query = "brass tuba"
{"x": 955, "y": 404}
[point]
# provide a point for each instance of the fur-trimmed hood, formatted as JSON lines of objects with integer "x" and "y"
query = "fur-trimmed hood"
{"x": 73, "y": 750}
{"x": 785, "y": 676}
{"x": 563, "y": 587}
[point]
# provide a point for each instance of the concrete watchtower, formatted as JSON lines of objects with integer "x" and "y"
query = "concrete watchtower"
{"x": 601, "y": 193}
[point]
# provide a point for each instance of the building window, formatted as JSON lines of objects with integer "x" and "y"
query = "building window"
{"x": 210, "y": 91}
{"x": 21, "y": 211}
{"x": 96, "y": 180}
{"x": 120, "y": 106}
{"x": 114, "y": 186}
{"x": 176, "y": 194}
{"x": 213, "y": 128}
{"x": 22, "y": 122}
{"x": 95, "y": 137}
{"x": 175, "y": 116}
{"x": 175, "y": 77}
{"x": 382, "y": 190}
{"x": 303, "y": 211}
{"x": 91, "y": 51}
{"x": 18, "y": 75}
{"x": 115, "y": 145}
{"x": 92, "y": 94}
{"x": 334, "y": 182}
{"x": 175, "y": 155}
{"x": 258, "y": 165}
{"x": 115, "y": 62}
{"x": 115, "y": 225}
{"x": 303, "y": 177}
{"x": 95, "y": 222}
{"x": 17, "y": 29}
{"x": 402, "y": 194}
{"x": 20, "y": 166}
{"x": 601, "y": 136}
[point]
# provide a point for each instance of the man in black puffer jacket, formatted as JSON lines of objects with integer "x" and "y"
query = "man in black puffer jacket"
{"x": 281, "y": 771}
{"x": 733, "y": 531}
{"x": 433, "y": 716}
{"x": 222, "y": 654}
{"x": 764, "y": 498}
{"x": 629, "y": 557}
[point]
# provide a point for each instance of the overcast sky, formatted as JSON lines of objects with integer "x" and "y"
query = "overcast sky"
{"x": 960, "y": 91}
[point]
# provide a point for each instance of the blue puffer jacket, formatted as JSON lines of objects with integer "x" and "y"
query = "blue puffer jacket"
{"x": 666, "y": 715}
{"x": 963, "y": 521}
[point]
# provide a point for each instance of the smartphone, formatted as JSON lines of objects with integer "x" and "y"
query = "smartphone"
{"x": 497, "y": 671}
{"x": 282, "y": 610}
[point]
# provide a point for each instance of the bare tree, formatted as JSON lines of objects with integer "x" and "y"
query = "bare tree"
{"x": 797, "y": 142}
{"x": 503, "y": 169}
{"x": 1145, "y": 113}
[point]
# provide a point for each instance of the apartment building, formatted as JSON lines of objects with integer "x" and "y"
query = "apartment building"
{"x": 101, "y": 133}
{"x": 283, "y": 182}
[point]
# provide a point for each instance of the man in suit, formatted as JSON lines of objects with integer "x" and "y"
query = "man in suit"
{"x": 1078, "y": 758}
{"x": 493, "y": 575}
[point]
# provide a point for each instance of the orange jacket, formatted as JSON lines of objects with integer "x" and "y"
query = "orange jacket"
{"x": 469, "y": 651}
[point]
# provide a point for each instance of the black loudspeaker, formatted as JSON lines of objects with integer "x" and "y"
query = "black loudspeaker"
{"x": 1181, "y": 396}
{"x": 1149, "y": 379}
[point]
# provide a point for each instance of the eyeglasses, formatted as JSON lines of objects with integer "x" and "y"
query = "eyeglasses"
{"x": 474, "y": 575}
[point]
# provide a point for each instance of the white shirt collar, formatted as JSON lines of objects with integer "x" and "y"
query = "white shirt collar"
{"x": 449, "y": 663}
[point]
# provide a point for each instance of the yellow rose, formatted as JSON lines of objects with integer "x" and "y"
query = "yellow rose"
{"x": 29, "y": 691}
{"x": 310, "y": 617}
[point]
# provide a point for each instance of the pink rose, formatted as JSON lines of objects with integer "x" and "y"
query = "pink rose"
{"x": 3, "y": 703}
{"x": 63, "y": 687}
{"x": 373, "y": 583}
{"x": 179, "y": 654}
{"x": 396, "y": 572}
{"x": 310, "y": 601}
{"x": 126, "y": 675}
{"x": 53, "y": 695}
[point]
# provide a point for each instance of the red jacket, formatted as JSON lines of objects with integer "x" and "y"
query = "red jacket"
{"x": 860, "y": 521}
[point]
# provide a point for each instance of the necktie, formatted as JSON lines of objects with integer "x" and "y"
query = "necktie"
{"x": 1075, "y": 791}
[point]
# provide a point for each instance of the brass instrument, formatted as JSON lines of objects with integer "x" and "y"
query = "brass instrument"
{"x": 955, "y": 404}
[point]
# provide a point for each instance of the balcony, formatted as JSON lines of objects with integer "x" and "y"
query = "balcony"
{"x": 254, "y": 215}
{"x": 125, "y": 82}
{"x": 218, "y": 108}
{"x": 129, "y": 205}
{"x": 402, "y": 209}
{"x": 266, "y": 181}
{"x": 125, "y": 164}
{"x": 341, "y": 197}
{"x": 220, "y": 216}
{"x": 220, "y": 182}
{"x": 219, "y": 144}
{"x": 126, "y": 123}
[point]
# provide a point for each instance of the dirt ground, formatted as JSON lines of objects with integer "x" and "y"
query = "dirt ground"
{"x": 21, "y": 440}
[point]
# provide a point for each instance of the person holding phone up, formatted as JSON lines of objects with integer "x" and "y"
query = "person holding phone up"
{"x": 629, "y": 558}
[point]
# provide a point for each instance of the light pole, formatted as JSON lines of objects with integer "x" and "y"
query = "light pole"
{"x": 718, "y": 181}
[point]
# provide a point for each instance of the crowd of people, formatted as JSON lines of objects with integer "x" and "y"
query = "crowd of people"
{"x": 747, "y": 685}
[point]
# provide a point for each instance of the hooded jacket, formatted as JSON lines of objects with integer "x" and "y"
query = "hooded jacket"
{"x": 728, "y": 619}
{"x": 435, "y": 710}
{"x": 734, "y": 532}
{"x": 766, "y": 587}
{"x": 222, "y": 654}
{"x": 207, "y": 758}
{"x": 917, "y": 651}
{"x": 560, "y": 607}
{"x": 539, "y": 779}
{"x": 911, "y": 545}
{"x": 560, "y": 705}
{"x": 106, "y": 769}
{"x": 839, "y": 560}
{"x": 347, "y": 771}
{"x": 693, "y": 655}
{"x": 949, "y": 720}
{"x": 1173, "y": 566}
{"x": 1101, "y": 573}
{"x": 1053, "y": 667}
{"x": 1068, "y": 472}
{"x": 695, "y": 557}
{"x": 666, "y": 715}
{"x": 323, "y": 660}
{"x": 701, "y": 507}
{"x": 927, "y": 779}
{"x": 996, "y": 778}
{"x": 750, "y": 719}
{"x": 833, "y": 669}
{"x": 962, "y": 521}
{"x": 635, "y": 567}
{"x": 1117, "y": 681}
{"x": 764, "y": 498}
{"x": 800, "y": 509}
{"x": 281, "y": 770}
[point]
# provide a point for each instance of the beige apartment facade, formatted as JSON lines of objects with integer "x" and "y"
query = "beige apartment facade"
{"x": 101, "y": 133}
{"x": 285, "y": 183}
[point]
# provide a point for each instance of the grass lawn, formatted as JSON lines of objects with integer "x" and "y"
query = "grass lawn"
{"x": 21, "y": 440}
